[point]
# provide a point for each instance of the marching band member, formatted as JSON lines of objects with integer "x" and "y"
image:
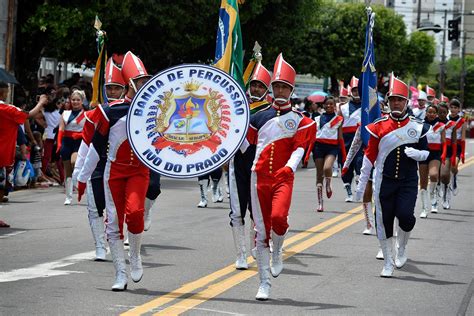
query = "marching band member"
{"x": 203, "y": 182}
{"x": 11, "y": 118}
{"x": 351, "y": 114}
{"x": 240, "y": 170}
{"x": 125, "y": 178}
{"x": 397, "y": 143}
{"x": 70, "y": 136}
{"x": 430, "y": 95}
{"x": 448, "y": 159}
{"x": 454, "y": 109}
{"x": 420, "y": 111}
{"x": 281, "y": 136}
{"x": 114, "y": 89}
{"x": 329, "y": 141}
{"x": 430, "y": 167}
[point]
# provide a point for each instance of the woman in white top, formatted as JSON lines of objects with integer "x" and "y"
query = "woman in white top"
{"x": 70, "y": 137}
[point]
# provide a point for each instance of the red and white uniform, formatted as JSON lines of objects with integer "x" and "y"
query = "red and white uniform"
{"x": 449, "y": 127}
{"x": 125, "y": 178}
{"x": 282, "y": 137}
{"x": 73, "y": 128}
{"x": 10, "y": 118}
{"x": 351, "y": 118}
{"x": 329, "y": 132}
{"x": 434, "y": 136}
{"x": 92, "y": 118}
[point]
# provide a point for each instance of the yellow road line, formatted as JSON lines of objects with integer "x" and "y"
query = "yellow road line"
{"x": 218, "y": 288}
{"x": 197, "y": 284}
{"x": 224, "y": 285}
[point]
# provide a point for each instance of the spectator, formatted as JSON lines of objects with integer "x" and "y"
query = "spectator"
{"x": 10, "y": 118}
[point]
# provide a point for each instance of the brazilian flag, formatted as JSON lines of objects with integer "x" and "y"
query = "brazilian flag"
{"x": 229, "y": 54}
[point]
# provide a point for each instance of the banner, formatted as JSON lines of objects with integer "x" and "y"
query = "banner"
{"x": 188, "y": 120}
{"x": 368, "y": 85}
{"x": 229, "y": 56}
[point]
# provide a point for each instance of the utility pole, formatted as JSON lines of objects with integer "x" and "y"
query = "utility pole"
{"x": 463, "y": 68}
{"x": 443, "y": 57}
{"x": 418, "y": 15}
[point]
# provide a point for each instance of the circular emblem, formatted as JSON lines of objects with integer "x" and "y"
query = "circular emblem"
{"x": 412, "y": 133}
{"x": 188, "y": 120}
{"x": 290, "y": 124}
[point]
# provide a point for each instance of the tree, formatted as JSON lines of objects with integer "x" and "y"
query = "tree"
{"x": 335, "y": 45}
{"x": 163, "y": 33}
{"x": 420, "y": 52}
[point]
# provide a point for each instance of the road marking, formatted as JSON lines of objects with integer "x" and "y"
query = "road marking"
{"x": 226, "y": 284}
{"x": 197, "y": 284}
{"x": 12, "y": 234}
{"x": 45, "y": 270}
{"x": 466, "y": 299}
{"x": 218, "y": 288}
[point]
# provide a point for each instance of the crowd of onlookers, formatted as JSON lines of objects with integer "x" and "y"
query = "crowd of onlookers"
{"x": 37, "y": 161}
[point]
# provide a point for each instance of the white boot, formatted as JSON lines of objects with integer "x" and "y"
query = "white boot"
{"x": 387, "y": 249}
{"x": 319, "y": 189}
{"x": 369, "y": 219}
{"x": 238, "y": 233}
{"x": 379, "y": 255}
{"x": 454, "y": 185}
{"x": 424, "y": 203}
{"x": 401, "y": 257}
{"x": 69, "y": 189}
{"x": 335, "y": 169}
{"x": 446, "y": 196}
{"x": 349, "y": 198}
{"x": 216, "y": 192}
{"x": 118, "y": 257}
{"x": 203, "y": 189}
{"x": 136, "y": 269}
{"x": 277, "y": 254}
{"x": 263, "y": 264}
{"x": 434, "y": 198}
{"x": 226, "y": 182}
{"x": 97, "y": 228}
{"x": 148, "y": 205}
{"x": 253, "y": 246}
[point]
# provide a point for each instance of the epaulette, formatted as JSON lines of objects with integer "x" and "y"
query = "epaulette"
{"x": 380, "y": 119}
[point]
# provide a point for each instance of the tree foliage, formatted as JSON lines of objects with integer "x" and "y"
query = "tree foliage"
{"x": 420, "y": 53}
{"x": 163, "y": 33}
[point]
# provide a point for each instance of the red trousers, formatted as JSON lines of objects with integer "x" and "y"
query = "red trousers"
{"x": 125, "y": 189}
{"x": 271, "y": 200}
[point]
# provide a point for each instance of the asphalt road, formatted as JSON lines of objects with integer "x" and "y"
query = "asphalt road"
{"x": 46, "y": 265}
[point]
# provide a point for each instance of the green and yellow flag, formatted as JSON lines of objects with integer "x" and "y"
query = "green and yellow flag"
{"x": 229, "y": 55}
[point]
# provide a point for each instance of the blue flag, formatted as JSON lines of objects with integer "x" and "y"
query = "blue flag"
{"x": 368, "y": 85}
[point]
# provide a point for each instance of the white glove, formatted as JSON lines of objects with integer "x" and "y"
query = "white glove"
{"x": 415, "y": 154}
